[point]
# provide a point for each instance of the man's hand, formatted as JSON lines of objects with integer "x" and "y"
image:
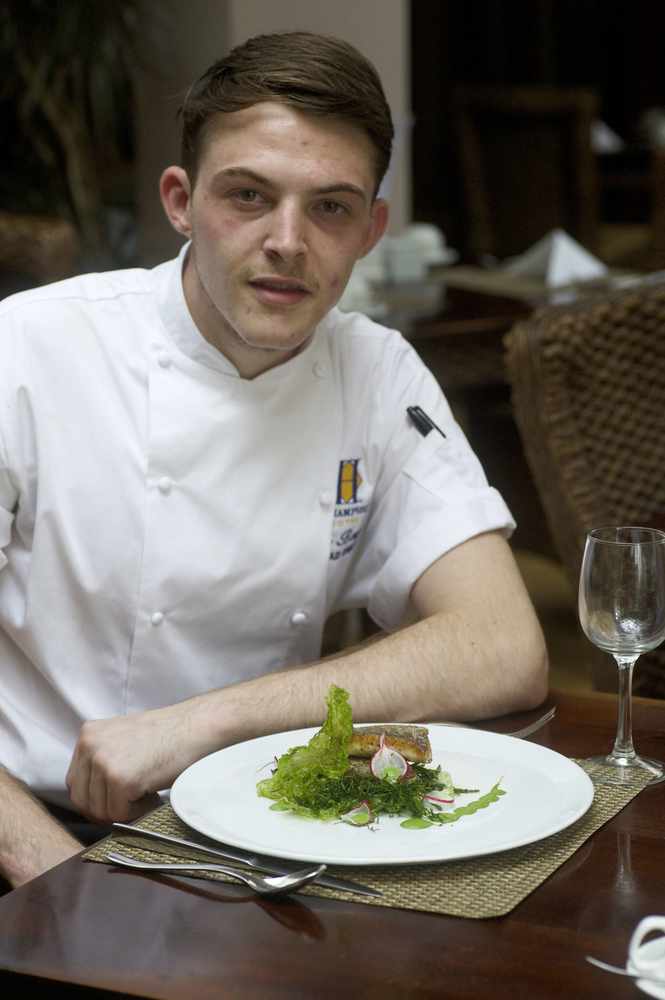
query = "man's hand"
{"x": 118, "y": 764}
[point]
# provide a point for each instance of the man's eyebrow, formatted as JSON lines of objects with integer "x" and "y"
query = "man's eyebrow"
{"x": 248, "y": 174}
{"x": 342, "y": 187}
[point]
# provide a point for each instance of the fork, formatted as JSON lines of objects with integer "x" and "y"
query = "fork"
{"x": 269, "y": 885}
{"x": 518, "y": 734}
{"x": 533, "y": 727}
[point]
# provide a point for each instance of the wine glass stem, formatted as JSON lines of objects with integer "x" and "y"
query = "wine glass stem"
{"x": 623, "y": 744}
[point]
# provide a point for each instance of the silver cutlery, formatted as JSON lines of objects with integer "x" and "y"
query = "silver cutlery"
{"x": 152, "y": 840}
{"x": 519, "y": 734}
{"x": 619, "y": 971}
{"x": 264, "y": 885}
{"x": 533, "y": 727}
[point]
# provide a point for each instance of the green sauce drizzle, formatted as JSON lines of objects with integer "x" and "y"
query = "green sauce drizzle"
{"x": 469, "y": 809}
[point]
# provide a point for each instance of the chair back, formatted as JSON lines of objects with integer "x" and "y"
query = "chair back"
{"x": 527, "y": 166}
{"x": 35, "y": 250}
{"x": 588, "y": 392}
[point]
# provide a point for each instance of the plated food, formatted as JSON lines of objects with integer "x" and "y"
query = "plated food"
{"x": 545, "y": 793}
{"x": 356, "y": 774}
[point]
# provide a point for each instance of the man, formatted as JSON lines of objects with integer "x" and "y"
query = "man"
{"x": 200, "y": 463}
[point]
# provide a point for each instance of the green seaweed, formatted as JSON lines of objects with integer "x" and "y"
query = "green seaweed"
{"x": 323, "y": 797}
{"x": 296, "y": 780}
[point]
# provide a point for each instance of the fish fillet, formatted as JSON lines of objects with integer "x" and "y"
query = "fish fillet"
{"x": 411, "y": 741}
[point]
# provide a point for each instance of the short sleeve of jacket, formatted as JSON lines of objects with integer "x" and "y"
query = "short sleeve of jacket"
{"x": 8, "y": 491}
{"x": 430, "y": 493}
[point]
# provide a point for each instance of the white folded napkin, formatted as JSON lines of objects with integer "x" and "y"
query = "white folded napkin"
{"x": 604, "y": 139}
{"x": 557, "y": 259}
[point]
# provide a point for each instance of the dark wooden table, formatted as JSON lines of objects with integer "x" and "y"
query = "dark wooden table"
{"x": 144, "y": 935}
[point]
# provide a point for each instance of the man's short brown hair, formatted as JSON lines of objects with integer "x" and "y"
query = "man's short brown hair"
{"x": 315, "y": 74}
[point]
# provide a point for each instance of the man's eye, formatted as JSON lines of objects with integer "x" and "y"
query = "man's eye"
{"x": 247, "y": 196}
{"x": 329, "y": 207}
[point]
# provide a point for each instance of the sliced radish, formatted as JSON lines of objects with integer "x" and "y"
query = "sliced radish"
{"x": 388, "y": 764}
{"x": 437, "y": 798}
{"x": 360, "y": 815}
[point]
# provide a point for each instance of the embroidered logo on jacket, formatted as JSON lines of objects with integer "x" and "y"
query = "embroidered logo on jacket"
{"x": 348, "y": 481}
{"x": 351, "y": 506}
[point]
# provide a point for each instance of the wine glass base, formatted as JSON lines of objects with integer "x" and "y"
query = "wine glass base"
{"x": 604, "y": 769}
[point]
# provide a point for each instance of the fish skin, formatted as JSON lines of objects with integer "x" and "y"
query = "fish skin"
{"x": 409, "y": 740}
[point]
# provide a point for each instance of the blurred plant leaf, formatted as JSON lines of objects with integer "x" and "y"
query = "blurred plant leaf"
{"x": 67, "y": 72}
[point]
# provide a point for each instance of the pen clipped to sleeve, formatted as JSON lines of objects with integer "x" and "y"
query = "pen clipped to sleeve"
{"x": 422, "y": 422}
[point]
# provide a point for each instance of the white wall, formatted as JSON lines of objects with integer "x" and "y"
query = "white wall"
{"x": 188, "y": 36}
{"x": 194, "y": 33}
{"x": 379, "y": 28}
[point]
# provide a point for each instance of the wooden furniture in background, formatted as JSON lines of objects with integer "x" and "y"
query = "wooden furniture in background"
{"x": 35, "y": 249}
{"x": 588, "y": 384}
{"x": 526, "y": 165}
{"x": 656, "y": 196}
{"x": 593, "y": 45}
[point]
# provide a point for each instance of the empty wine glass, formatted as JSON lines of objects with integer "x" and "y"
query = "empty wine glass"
{"x": 622, "y": 611}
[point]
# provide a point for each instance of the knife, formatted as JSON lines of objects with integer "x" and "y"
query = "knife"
{"x": 133, "y": 835}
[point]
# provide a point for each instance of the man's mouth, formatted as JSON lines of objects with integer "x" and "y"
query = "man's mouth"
{"x": 276, "y": 290}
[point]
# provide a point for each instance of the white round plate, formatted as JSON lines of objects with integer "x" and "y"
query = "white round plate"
{"x": 545, "y": 792}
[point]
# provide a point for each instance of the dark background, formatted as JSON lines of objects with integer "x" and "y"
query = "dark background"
{"x": 615, "y": 49}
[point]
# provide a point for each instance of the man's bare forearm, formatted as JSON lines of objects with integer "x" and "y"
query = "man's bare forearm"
{"x": 413, "y": 675}
{"x": 31, "y": 841}
{"x": 483, "y": 657}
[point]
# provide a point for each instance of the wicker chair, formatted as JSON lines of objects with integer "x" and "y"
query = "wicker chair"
{"x": 588, "y": 389}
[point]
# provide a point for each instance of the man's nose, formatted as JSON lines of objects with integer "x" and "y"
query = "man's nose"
{"x": 286, "y": 234}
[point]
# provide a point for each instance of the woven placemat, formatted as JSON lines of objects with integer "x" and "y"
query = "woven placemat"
{"x": 488, "y": 886}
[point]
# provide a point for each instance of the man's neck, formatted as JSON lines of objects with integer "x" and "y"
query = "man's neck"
{"x": 250, "y": 361}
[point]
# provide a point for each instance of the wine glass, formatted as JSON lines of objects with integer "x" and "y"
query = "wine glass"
{"x": 622, "y": 611}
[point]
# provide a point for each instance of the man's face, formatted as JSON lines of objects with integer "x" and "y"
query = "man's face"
{"x": 281, "y": 209}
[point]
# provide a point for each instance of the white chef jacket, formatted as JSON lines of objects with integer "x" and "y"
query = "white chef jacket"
{"x": 167, "y": 527}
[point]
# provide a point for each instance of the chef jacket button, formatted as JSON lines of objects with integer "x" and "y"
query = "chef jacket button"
{"x": 163, "y": 360}
{"x": 325, "y": 498}
{"x": 299, "y": 618}
{"x": 320, "y": 369}
{"x": 165, "y": 484}
{"x": 157, "y": 618}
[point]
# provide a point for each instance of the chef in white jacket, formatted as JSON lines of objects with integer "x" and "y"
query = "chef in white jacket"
{"x": 200, "y": 463}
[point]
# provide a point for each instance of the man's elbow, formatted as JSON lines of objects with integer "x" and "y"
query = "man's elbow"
{"x": 534, "y": 670}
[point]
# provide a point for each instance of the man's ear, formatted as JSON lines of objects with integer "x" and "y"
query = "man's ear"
{"x": 175, "y": 192}
{"x": 378, "y": 224}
